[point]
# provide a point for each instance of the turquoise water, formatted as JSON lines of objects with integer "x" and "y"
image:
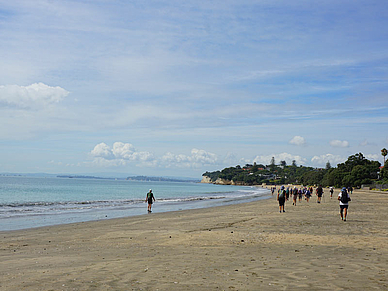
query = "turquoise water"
{"x": 27, "y": 202}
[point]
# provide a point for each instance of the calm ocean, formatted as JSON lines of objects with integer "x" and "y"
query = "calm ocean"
{"x": 27, "y": 202}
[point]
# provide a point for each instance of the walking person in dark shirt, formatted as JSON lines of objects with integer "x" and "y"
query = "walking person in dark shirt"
{"x": 331, "y": 192}
{"x": 282, "y": 199}
{"x": 149, "y": 198}
{"x": 319, "y": 193}
{"x": 308, "y": 195}
{"x": 294, "y": 195}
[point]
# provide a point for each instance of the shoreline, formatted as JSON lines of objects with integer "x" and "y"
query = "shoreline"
{"x": 247, "y": 246}
{"x": 25, "y": 222}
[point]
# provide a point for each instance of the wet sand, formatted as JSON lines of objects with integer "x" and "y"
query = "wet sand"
{"x": 238, "y": 247}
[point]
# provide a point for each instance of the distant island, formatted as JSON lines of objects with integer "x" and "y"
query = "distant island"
{"x": 83, "y": 177}
{"x": 161, "y": 179}
{"x": 133, "y": 178}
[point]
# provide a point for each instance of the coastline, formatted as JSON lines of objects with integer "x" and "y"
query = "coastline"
{"x": 35, "y": 202}
{"x": 247, "y": 246}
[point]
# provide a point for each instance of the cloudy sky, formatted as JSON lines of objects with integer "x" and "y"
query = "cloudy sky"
{"x": 177, "y": 88}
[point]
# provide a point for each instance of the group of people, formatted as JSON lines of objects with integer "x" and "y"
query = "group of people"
{"x": 296, "y": 193}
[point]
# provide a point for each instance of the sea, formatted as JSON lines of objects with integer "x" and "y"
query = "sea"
{"x": 29, "y": 202}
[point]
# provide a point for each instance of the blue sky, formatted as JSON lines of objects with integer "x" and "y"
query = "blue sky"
{"x": 177, "y": 88}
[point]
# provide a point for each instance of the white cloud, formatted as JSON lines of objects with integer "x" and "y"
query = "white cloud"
{"x": 197, "y": 159}
{"x": 122, "y": 154}
{"x": 102, "y": 150}
{"x": 101, "y": 162}
{"x": 204, "y": 157}
{"x": 254, "y": 75}
{"x": 339, "y": 143}
{"x": 119, "y": 155}
{"x": 230, "y": 159}
{"x": 323, "y": 159}
{"x": 266, "y": 160}
{"x": 35, "y": 95}
{"x": 297, "y": 140}
{"x": 374, "y": 157}
{"x": 123, "y": 150}
{"x": 52, "y": 162}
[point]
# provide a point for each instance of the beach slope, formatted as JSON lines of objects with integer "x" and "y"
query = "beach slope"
{"x": 238, "y": 247}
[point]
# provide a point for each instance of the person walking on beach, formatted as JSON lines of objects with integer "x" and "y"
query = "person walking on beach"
{"x": 300, "y": 193}
{"x": 331, "y": 192}
{"x": 344, "y": 199}
{"x": 294, "y": 195}
{"x": 308, "y": 194}
{"x": 149, "y": 198}
{"x": 281, "y": 198}
{"x": 319, "y": 193}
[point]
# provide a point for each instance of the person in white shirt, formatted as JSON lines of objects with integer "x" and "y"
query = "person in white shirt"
{"x": 344, "y": 199}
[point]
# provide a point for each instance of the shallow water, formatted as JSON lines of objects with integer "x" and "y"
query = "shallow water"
{"x": 27, "y": 202}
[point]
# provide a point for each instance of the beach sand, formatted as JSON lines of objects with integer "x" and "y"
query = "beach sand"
{"x": 239, "y": 247}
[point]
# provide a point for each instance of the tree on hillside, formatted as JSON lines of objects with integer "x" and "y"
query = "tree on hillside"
{"x": 360, "y": 175}
{"x": 357, "y": 170}
{"x": 212, "y": 175}
{"x": 333, "y": 177}
{"x": 384, "y": 172}
{"x": 384, "y": 153}
{"x": 354, "y": 160}
{"x": 272, "y": 165}
{"x": 230, "y": 173}
{"x": 313, "y": 177}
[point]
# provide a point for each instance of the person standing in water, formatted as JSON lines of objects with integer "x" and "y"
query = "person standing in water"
{"x": 149, "y": 198}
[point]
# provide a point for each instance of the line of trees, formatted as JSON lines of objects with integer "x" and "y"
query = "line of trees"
{"x": 356, "y": 171}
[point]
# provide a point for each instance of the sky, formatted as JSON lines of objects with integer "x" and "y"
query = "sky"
{"x": 178, "y": 88}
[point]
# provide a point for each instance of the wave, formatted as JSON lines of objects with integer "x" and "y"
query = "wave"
{"x": 14, "y": 209}
{"x": 29, "y": 206}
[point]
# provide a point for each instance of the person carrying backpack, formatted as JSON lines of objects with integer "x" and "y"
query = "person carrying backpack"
{"x": 150, "y": 196}
{"x": 281, "y": 198}
{"x": 319, "y": 193}
{"x": 331, "y": 192}
{"x": 344, "y": 199}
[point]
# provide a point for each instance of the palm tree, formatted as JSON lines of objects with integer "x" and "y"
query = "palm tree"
{"x": 384, "y": 152}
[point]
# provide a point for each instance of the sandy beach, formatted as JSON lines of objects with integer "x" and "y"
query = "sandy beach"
{"x": 239, "y": 247}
